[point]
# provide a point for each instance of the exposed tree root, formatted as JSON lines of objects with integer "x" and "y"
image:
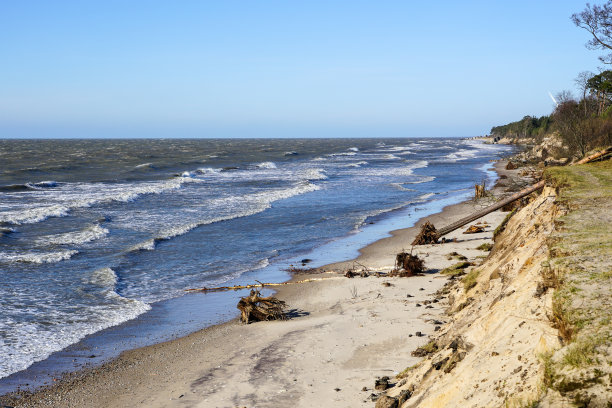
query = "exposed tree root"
{"x": 255, "y": 308}
{"x": 428, "y": 235}
{"x": 407, "y": 265}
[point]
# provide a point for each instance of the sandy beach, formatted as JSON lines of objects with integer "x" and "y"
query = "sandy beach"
{"x": 342, "y": 334}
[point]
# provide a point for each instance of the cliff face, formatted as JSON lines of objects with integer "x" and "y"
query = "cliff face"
{"x": 490, "y": 354}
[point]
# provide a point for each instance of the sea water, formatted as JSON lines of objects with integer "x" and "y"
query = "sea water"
{"x": 94, "y": 233}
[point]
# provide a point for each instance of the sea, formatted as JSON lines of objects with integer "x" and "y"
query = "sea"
{"x": 104, "y": 236}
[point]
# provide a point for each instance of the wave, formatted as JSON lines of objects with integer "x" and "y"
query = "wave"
{"x": 207, "y": 170}
{"x": 71, "y": 197}
{"x": 33, "y": 215}
{"x": 29, "y": 186}
{"x": 404, "y": 149}
{"x": 33, "y": 341}
{"x": 400, "y": 186}
{"x": 358, "y": 164}
{"x": 462, "y": 154}
{"x": 38, "y": 257}
{"x": 103, "y": 277}
{"x": 144, "y": 166}
{"x": 313, "y": 174}
{"x": 147, "y": 245}
{"x": 420, "y": 199}
{"x": 342, "y": 154}
{"x": 257, "y": 203}
{"x": 423, "y": 179}
{"x": 353, "y": 149}
{"x": 266, "y": 165}
{"x": 89, "y": 234}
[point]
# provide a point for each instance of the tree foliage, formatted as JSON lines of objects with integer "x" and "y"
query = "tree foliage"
{"x": 597, "y": 20}
{"x": 600, "y": 86}
{"x": 529, "y": 126}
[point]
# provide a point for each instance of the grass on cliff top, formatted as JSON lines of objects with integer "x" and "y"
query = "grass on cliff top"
{"x": 581, "y": 252}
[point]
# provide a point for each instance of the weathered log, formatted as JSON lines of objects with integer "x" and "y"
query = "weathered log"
{"x": 254, "y": 285}
{"x": 479, "y": 190}
{"x": 595, "y": 155}
{"x": 473, "y": 217}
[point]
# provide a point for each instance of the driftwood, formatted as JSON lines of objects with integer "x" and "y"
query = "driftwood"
{"x": 489, "y": 209}
{"x": 255, "y": 308}
{"x": 594, "y": 156}
{"x": 254, "y": 285}
{"x": 479, "y": 190}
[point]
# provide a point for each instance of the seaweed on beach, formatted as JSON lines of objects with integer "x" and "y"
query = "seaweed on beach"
{"x": 428, "y": 235}
{"x": 255, "y": 308}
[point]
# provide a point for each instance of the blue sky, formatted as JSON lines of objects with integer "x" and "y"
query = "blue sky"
{"x": 282, "y": 68}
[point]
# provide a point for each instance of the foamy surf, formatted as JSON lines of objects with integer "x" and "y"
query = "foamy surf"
{"x": 89, "y": 234}
{"x": 82, "y": 195}
{"x": 252, "y": 204}
{"x": 32, "y": 341}
{"x": 38, "y": 257}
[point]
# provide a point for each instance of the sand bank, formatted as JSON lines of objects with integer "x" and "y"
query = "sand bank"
{"x": 342, "y": 334}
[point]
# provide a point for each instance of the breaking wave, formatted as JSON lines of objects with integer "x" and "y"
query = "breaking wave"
{"x": 89, "y": 234}
{"x": 38, "y": 257}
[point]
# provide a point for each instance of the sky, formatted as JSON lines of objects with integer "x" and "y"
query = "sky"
{"x": 283, "y": 68}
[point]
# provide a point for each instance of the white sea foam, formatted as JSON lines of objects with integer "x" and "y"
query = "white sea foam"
{"x": 31, "y": 214}
{"x": 342, "y": 154}
{"x": 147, "y": 245}
{"x": 422, "y": 179}
{"x": 104, "y": 277}
{"x": 353, "y": 149}
{"x": 313, "y": 174}
{"x": 82, "y": 195}
{"x": 252, "y": 204}
{"x": 358, "y": 164}
{"x": 38, "y": 257}
{"x": 144, "y": 165}
{"x": 208, "y": 170}
{"x": 30, "y": 342}
{"x": 89, "y": 234}
{"x": 400, "y": 186}
{"x": 266, "y": 165}
{"x": 462, "y": 154}
{"x": 43, "y": 184}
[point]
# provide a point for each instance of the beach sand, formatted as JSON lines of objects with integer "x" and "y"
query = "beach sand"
{"x": 342, "y": 334}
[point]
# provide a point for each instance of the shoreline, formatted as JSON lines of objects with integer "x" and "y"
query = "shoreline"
{"x": 379, "y": 255}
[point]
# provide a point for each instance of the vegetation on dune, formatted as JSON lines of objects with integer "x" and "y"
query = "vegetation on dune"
{"x": 456, "y": 269}
{"x": 580, "y": 258}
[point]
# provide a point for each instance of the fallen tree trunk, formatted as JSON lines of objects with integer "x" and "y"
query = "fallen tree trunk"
{"x": 254, "y": 285}
{"x": 595, "y": 156}
{"x": 489, "y": 209}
